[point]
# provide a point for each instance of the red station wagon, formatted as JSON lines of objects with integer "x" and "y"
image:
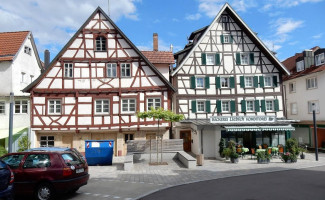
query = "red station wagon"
{"x": 45, "y": 174}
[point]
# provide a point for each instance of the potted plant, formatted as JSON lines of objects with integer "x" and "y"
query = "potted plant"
{"x": 226, "y": 152}
{"x": 302, "y": 150}
{"x": 263, "y": 157}
{"x": 292, "y": 151}
{"x": 234, "y": 157}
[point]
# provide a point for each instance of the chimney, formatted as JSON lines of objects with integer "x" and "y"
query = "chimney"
{"x": 46, "y": 59}
{"x": 155, "y": 41}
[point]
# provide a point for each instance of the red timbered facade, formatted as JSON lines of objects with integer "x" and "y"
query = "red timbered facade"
{"x": 93, "y": 88}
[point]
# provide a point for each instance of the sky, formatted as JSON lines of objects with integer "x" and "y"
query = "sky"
{"x": 285, "y": 26}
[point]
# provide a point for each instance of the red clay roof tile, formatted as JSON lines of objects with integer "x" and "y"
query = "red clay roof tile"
{"x": 10, "y": 43}
{"x": 159, "y": 57}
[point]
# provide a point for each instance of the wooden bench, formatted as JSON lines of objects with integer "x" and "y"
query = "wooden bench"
{"x": 186, "y": 159}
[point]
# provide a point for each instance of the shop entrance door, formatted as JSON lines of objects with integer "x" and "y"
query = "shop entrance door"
{"x": 248, "y": 140}
{"x": 186, "y": 136}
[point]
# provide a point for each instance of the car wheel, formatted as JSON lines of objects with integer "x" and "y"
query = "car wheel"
{"x": 44, "y": 192}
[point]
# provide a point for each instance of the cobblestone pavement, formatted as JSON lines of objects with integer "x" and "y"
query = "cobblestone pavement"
{"x": 154, "y": 178}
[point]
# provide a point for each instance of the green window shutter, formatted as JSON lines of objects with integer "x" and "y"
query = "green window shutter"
{"x": 262, "y": 81}
{"x": 255, "y": 80}
{"x": 218, "y": 85}
{"x": 275, "y": 81}
{"x": 276, "y": 105}
{"x": 232, "y": 82}
{"x": 193, "y": 82}
{"x": 218, "y": 59}
{"x": 204, "y": 60}
{"x": 251, "y": 58}
{"x": 221, "y": 39}
{"x": 263, "y": 109}
{"x": 257, "y": 106}
{"x": 207, "y": 82}
{"x": 242, "y": 82}
{"x": 233, "y": 106}
{"x": 238, "y": 59}
{"x": 243, "y": 106}
{"x": 193, "y": 106}
{"x": 218, "y": 106}
{"x": 208, "y": 106}
{"x": 231, "y": 39}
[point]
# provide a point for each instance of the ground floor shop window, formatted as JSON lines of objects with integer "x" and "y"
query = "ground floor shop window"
{"x": 47, "y": 141}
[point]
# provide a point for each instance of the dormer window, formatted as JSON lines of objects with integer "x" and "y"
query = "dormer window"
{"x": 319, "y": 59}
{"x": 28, "y": 50}
{"x": 100, "y": 43}
{"x": 225, "y": 24}
{"x": 300, "y": 66}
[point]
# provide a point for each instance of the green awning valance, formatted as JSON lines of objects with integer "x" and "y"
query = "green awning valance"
{"x": 260, "y": 128}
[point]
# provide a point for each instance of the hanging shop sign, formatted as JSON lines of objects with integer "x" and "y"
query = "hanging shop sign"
{"x": 242, "y": 119}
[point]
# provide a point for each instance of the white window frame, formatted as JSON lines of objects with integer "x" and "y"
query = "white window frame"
{"x": 311, "y": 83}
{"x": 196, "y": 82}
{"x": 202, "y": 102}
{"x": 110, "y": 67}
{"x": 22, "y": 77}
{"x": 154, "y": 102}
{"x": 102, "y": 103}
{"x": 271, "y": 101}
{"x": 127, "y": 102}
{"x": 300, "y": 66}
{"x": 212, "y": 57}
{"x": 28, "y": 50}
{"x": 293, "y": 108}
{"x": 68, "y": 70}
{"x": 320, "y": 59}
{"x": 100, "y": 43}
{"x": 270, "y": 83}
{"x": 31, "y": 78}
{"x": 253, "y": 104}
{"x": 244, "y": 57}
{"x": 227, "y": 81}
{"x": 47, "y": 140}
{"x": 57, "y": 103}
{"x": 224, "y": 102}
{"x": 251, "y": 78}
{"x": 226, "y": 39}
{"x": 23, "y": 105}
{"x": 125, "y": 67}
{"x": 2, "y": 107}
{"x": 292, "y": 87}
{"x": 310, "y": 108}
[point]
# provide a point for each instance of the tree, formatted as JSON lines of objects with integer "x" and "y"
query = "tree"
{"x": 160, "y": 114}
{"x": 23, "y": 143}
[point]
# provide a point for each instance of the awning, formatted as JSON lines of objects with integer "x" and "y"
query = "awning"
{"x": 4, "y": 133}
{"x": 260, "y": 128}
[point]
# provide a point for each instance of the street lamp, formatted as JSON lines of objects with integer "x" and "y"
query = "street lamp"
{"x": 315, "y": 130}
{"x": 11, "y": 121}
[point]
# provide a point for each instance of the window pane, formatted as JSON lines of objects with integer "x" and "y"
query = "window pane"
{"x": 225, "y": 106}
{"x": 200, "y": 82}
{"x": 210, "y": 59}
{"x": 224, "y": 82}
{"x": 248, "y": 81}
{"x": 244, "y": 58}
{"x": 200, "y": 106}
{"x": 250, "y": 106}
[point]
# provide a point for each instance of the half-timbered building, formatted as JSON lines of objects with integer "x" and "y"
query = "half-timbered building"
{"x": 93, "y": 88}
{"x": 229, "y": 85}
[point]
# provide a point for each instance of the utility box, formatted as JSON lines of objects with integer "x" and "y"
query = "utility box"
{"x": 99, "y": 152}
{"x": 199, "y": 159}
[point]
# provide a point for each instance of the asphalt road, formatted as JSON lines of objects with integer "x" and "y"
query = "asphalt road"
{"x": 300, "y": 184}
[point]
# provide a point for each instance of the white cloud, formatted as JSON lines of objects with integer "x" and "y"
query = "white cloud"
{"x": 53, "y": 23}
{"x": 287, "y": 3}
{"x": 196, "y": 16}
{"x": 271, "y": 45}
{"x": 318, "y": 36}
{"x": 286, "y": 25}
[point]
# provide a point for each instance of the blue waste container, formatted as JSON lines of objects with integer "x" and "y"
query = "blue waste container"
{"x": 99, "y": 152}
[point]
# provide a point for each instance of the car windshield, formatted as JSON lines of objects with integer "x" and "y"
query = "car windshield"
{"x": 71, "y": 159}
{"x": 13, "y": 160}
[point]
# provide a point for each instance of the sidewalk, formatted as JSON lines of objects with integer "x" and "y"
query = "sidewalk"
{"x": 145, "y": 179}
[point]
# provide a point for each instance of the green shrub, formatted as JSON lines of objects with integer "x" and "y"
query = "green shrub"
{"x": 3, "y": 151}
{"x": 226, "y": 152}
{"x": 23, "y": 143}
{"x": 222, "y": 145}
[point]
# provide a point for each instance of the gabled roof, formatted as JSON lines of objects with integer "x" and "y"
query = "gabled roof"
{"x": 249, "y": 33}
{"x": 310, "y": 70}
{"x": 10, "y": 43}
{"x": 159, "y": 57}
{"x": 196, "y": 32}
{"x": 153, "y": 68}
